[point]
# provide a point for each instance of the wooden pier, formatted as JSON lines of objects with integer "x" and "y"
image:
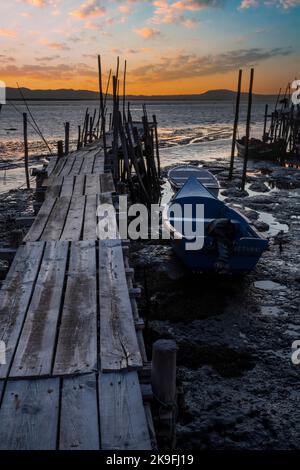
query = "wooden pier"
{"x": 75, "y": 356}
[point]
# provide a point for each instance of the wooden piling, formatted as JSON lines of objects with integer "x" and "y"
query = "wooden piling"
{"x": 265, "y": 136}
{"x": 67, "y": 137}
{"x": 235, "y": 125}
{"x": 156, "y": 144}
{"x": 124, "y": 91}
{"x": 91, "y": 130}
{"x": 79, "y": 138}
{"x": 26, "y": 150}
{"x": 60, "y": 148}
{"x": 163, "y": 380}
{"x": 248, "y": 124}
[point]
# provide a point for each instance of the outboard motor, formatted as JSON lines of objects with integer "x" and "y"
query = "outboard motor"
{"x": 223, "y": 233}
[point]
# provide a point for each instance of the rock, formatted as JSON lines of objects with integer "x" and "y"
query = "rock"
{"x": 259, "y": 186}
{"x": 261, "y": 226}
{"x": 234, "y": 192}
{"x": 250, "y": 214}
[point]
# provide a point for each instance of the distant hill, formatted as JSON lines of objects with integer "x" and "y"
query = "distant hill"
{"x": 66, "y": 94}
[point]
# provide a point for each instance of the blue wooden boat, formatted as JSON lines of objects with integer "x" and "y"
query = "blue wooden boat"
{"x": 229, "y": 243}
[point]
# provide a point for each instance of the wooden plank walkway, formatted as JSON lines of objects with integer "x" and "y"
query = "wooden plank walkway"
{"x": 73, "y": 345}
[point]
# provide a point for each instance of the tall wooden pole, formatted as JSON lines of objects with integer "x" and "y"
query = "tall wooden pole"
{"x": 247, "y": 130}
{"x": 26, "y": 150}
{"x": 100, "y": 87}
{"x": 236, "y": 121}
{"x": 265, "y": 124}
{"x": 156, "y": 143}
{"x": 79, "y": 138}
{"x": 124, "y": 90}
{"x": 67, "y": 137}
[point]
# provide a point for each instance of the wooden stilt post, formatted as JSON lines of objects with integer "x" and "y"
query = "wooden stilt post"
{"x": 79, "y": 138}
{"x": 265, "y": 137}
{"x": 26, "y": 150}
{"x": 124, "y": 91}
{"x": 156, "y": 144}
{"x": 163, "y": 380}
{"x": 91, "y": 129}
{"x": 86, "y": 128}
{"x": 236, "y": 121}
{"x": 248, "y": 124}
{"x": 67, "y": 137}
{"x": 60, "y": 148}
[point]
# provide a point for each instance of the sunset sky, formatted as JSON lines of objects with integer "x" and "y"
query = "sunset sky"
{"x": 172, "y": 47}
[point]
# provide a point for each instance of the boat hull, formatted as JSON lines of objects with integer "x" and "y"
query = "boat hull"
{"x": 260, "y": 151}
{"x": 178, "y": 176}
{"x": 243, "y": 259}
{"x": 229, "y": 243}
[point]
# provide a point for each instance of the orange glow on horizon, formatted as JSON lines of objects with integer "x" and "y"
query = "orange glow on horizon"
{"x": 180, "y": 87}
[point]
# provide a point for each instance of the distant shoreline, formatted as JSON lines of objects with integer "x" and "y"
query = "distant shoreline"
{"x": 13, "y": 94}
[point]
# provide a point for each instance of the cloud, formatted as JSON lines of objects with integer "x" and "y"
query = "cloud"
{"x": 47, "y": 58}
{"x": 246, "y": 4}
{"x": 55, "y": 45}
{"x": 36, "y": 3}
{"x": 8, "y": 33}
{"x": 191, "y": 65}
{"x": 26, "y": 14}
{"x": 286, "y": 4}
{"x": 6, "y": 59}
{"x": 126, "y": 8}
{"x": 90, "y": 8}
{"x": 283, "y": 4}
{"x": 147, "y": 32}
{"x": 175, "y": 11}
{"x": 46, "y": 72}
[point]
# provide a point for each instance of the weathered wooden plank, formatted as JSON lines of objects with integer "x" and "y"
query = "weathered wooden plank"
{"x": 59, "y": 167}
{"x": 67, "y": 169}
{"x": 77, "y": 165}
{"x": 56, "y": 221}
{"x": 40, "y": 221}
{"x": 35, "y": 350}
{"x": 90, "y": 218}
{"x": 92, "y": 184}
{"x": 107, "y": 183}
{"x": 123, "y": 424}
{"x": 118, "y": 342}
{"x": 51, "y": 165}
{"x": 29, "y": 415}
{"x": 74, "y": 220}
{"x": 77, "y": 340}
{"x": 67, "y": 186}
{"x": 87, "y": 166}
{"x": 79, "y": 185}
{"x": 15, "y": 296}
{"x": 99, "y": 162}
{"x": 79, "y": 428}
{"x": 53, "y": 191}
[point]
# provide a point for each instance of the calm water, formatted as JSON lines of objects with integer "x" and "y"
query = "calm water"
{"x": 187, "y": 130}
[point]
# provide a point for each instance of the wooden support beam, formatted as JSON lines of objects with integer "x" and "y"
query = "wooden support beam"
{"x": 248, "y": 124}
{"x": 235, "y": 125}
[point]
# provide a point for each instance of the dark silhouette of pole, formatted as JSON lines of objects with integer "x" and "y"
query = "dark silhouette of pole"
{"x": 247, "y": 130}
{"x": 236, "y": 121}
{"x": 26, "y": 150}
{"x": 265, "y": 124}
{"x": 67, "y": 137}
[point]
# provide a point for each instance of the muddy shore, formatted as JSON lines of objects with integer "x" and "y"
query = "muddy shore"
{"x": 240, "y": 388}
{"x": 13, "y": 204}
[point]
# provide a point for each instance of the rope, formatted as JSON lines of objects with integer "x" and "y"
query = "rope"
{"x": 36, "y": 124}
